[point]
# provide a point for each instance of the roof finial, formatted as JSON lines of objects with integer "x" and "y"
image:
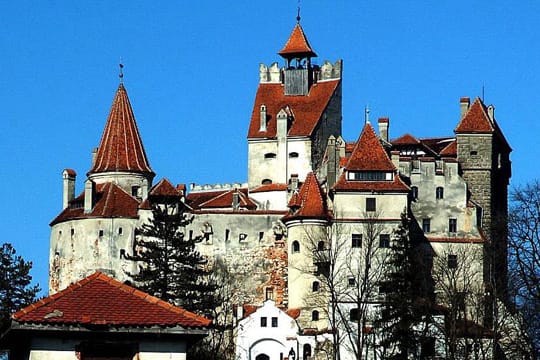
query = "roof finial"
{"x": 366, "y": 115}
{"x": 298, "y": 13}
{"x": 121, "y": 73}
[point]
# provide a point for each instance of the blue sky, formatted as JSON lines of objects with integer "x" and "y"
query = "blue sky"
{"x": 191, "y": 71}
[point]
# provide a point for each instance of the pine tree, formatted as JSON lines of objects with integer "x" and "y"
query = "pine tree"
{"x": 406, "y": 304}
{"x": 170, "y": 267}
{"x": 15, "y": 289}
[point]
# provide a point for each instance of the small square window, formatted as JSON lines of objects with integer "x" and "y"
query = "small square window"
{"x": 384, "y": 240}
{"x": 269, "y": 295}
{"x": 263, "y": 322}
{"x": 100, "y": 233}
{"x": 351, "y": 281}
{"x": 452, "y": 225}
{"x": 274, "y": 322}
{"x": 371, "y": 204}
{"x": 242, "y": 237}
{"x": 353, "y": 314}
{"x": 315, "y": 286}
{"x": 356, "y": 240}
{"x": 426, "y": 225}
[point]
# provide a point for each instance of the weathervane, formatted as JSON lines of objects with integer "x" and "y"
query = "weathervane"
{"x": 366, "y": 114}
{"x": 298, "y": 13}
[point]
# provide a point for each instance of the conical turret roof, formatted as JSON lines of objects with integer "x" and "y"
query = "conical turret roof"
{"x": 309, "y": 202}
{"x": 121, "y": 147}
{"x": 297, "y": 45}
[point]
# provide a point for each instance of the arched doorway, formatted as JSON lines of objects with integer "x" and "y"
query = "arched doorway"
{"x": 262, "y": 357}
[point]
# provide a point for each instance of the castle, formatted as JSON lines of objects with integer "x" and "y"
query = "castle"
{"x": 312, "y": 200}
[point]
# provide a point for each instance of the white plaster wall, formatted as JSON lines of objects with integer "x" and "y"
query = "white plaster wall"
{"x": 271, "y": 200}
{"x": 352, "y": 205}
{"x": 72, "y": 257}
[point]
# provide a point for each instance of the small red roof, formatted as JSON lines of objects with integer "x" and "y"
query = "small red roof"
{"x": 368, "y": 153}
{"x": 111, "y": 201}
{"x": 476, "y": 120}
{"x": 101, "y": 300}
{"x": 121, "y": 147}
{"x": 450, "y": 149}
{"x": 406, "y": 139}
{"x": 225, "y": 200}
{"x": 165, "y": 188}
{"x": 307, "y": 109}
{"x": 297, "y": 45}
{"x": 310, "y": 202}
{"x": 269, "y": 187}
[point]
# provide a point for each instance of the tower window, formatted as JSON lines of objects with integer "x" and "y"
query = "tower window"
{"x": 269, "y": 293}
{"x": 270, "y": 155}
{"x": 263, "y": 321}
{"x": 293, "y": 155}
{"x": 242, "y": 237}
{"x": 371, "y": 204}
{"x": 452, "y": 225}
{"x": 315, "y": 286}
{"x": 353, "y": 314}
{"x": 120, "y": 231}
{"x": 315, "y": 315}
{"x": 136, "y": 191}
{"x": 274, "y": 321}
{"x": 356, "y": 240}
{"x": 384, "y": 240}
{"x": 266, "y": 182}
{"x": 351, "y": 281}
{"x": 295, "y": 246}
{"x": 261, "y": 235}
{"x": 320, "y": 246}
{"x": 100, "y": 233}
{"x": 72, "y": 232}
{"x": 426, "y": 225}
{"x": 227, "y": 234}
{"x": 439, "y": 192}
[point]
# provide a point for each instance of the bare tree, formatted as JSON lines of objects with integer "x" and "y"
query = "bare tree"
{"x": 524, "y": 257}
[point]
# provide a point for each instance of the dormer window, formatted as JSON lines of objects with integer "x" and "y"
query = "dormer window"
{"x": 370, "y": 176}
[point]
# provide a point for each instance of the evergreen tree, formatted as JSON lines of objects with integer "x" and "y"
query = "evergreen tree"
{"x": 406, "y": 302}
{"x": 15, "y": 289}
{"x": 170, "y": 267}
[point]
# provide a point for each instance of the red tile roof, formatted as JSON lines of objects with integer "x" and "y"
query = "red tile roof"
{"x": 297, "y": 45}
{"x": 307, "y": 109}
{"x": 101, "y": 300}
{"x": 121, "y": 148}
{"x": 310, "y": 202}
{"x": 225, "y": 200}
{"x": 269, "y": 187}
{"x": 368, "y": 153}
{"x": 476, "y": 120}
{"x": 111, "y": 201}
{"x": 450, "y": 149}
{"x": 406, "y": 139}
{"x": 165, "y": 188}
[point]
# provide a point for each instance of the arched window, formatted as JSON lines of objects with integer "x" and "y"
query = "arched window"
{"x": 316, "y": 286}
{"x": 315, "y": 315}
{"x": 293, "y": 154}
{"x": 266, "y": 182}
{"x": 295, "y": 246}
{"x": 306, "y": 351}
{"x": 439, "y": 192}
{"x": 320, "y": 246}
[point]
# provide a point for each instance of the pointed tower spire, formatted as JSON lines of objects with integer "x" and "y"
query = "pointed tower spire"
{"x": 297, "y": 46}
{"x": 121, "y": 148}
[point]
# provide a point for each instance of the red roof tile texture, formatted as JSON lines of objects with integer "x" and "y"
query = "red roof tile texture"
{"x": 310, "y": 202}
{"x": 101, "y": 300}
{"x": 225, "y": 200}
{"x": 307, "y": 109}
{"x": 111, "y": 201}
{"x": 297, "y": 44}
{"x": 406, "y": 139}
{"x": 121, "y": 147}
{"x": 368, "y": 154}
{"x": 165, "y": 188}
{"x": 269, "y": 187}
{"x": 476, "y": 119}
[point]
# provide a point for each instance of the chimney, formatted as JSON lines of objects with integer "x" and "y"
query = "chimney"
{"x": 94, "y": 154}
{"x": 89, "y": 194}
{"x": 235, "y": 200}
{"x": 69, "y": 176}
{"x": 464, "y": 103}
{"x": 384, "y": 124}
{"x": 395, "y": 158}
{"x": 491, "y": 112}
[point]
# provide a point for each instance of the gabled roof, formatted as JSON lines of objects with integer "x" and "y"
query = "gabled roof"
{"x": 307, "y": 109}
{"x": 101, "y": 300}
{"x": 111, "y": 202}
{"x": 164, "y": 188}
{"x": 310, "y": 202}
{"x": 297, "y": 45}
{"x": 476, "y": 120}
{"x": 406, "y": 139}
{"x": 121, "y": 147}
{"x": 368, "y": 153}
{"x": 225, "y": 200}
